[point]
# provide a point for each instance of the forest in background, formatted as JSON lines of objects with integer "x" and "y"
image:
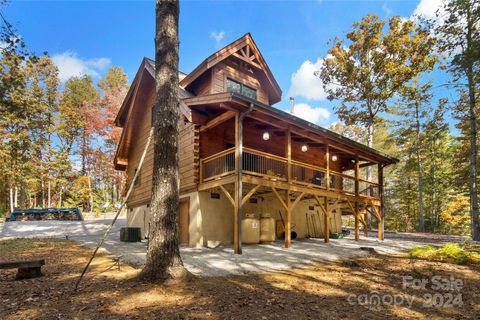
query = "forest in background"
{"x": 57, "y": 141}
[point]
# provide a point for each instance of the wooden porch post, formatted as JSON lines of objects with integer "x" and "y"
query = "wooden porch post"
{"x": 289, "y": 155}
{"x": 326, "y": 231}
{"x": 357, "y": 222}
{"x": 381, "y": 222}
{"x": 288, "y": 224}
{"x": 327, "y": 162}
{"x": 357, "y": 225}
{"x": 237, "y": 243}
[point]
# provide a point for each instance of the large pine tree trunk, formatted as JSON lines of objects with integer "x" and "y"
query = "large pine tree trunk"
{"x": 163, "y": 255}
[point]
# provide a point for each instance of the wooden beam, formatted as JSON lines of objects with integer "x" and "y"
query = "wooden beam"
{"x": 381, "y": 223}
{"x": 297, "y": 200}
{"x": 249, "y": 194}
{"x": 289, "y": 154}
{"x": 326, "y": 222}
{"x": 362, "y": 215}
{"x": 297, "y": 188}
{"x": 218, "y": 120}
{"x": 351, "y": 207}
{"x": 237, "y": 246}
{"x": 368, "y": 164}
{"x": 357, "y": 168}
{"x": 288, "y": 226}
{"x": 357, "y": 227}
{"x": 374, "y": 211}
{"x": 216, "y": 183}
{"x": 273, "y": 120}
{"x": 275, "y": 192}
{"x": 247, "y": 60}
{"x": 227, "y": 194}
{"x": 327, "y": 161}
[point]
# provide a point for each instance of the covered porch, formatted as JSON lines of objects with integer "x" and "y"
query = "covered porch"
{"x": 248, "y": 150}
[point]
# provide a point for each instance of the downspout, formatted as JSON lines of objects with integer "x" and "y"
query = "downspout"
{"x": 239, "y": 175}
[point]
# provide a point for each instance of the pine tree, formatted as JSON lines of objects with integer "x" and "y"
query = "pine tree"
{"x": 163, "y": 254}
{"x": 459, "y": 38}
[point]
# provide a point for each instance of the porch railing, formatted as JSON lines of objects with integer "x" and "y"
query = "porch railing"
{"x": 303, "y": 173}
{"x": 264, "y": 164}
{"x": 217, "y": 165}
{"x": 368, "y": 188}
{"x": 275, "y": 168}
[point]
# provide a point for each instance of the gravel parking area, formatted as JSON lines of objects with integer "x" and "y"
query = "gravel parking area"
{"x": 221, "y": 261}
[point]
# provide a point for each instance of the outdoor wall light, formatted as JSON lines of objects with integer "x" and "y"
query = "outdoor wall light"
{"x": 304, "y": 148}
{"x": 266, "y": 136}
{"x": 334, "y": 158}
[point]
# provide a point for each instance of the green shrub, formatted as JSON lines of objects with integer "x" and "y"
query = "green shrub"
{"x": 450, "y": 252}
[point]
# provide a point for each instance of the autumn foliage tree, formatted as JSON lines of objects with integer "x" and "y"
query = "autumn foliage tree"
{"x": 367, "y": 69}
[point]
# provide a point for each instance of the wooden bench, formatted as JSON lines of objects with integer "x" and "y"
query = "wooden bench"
{"x": 26, "y": 269}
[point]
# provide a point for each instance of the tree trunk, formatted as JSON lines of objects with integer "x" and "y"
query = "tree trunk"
{"x": 15, "y": 199}
{"x": 60, "y": 197}
{"x": 12, "y": 207}
{"x": 434, "y": 181}
{"x": 163, "y": 255}
{"x": 49, "y": 194}
{"x": 90, "y": 196}
{"x": 43, "y": 191}
{"x": 473, "y": 159}
{"x": 421, "y": 213}
{"x": 473, "y": 130}
{"x": 370, "y": 131}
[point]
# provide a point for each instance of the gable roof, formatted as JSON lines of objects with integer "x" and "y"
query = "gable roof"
{"x": 247, "y": 42}
{"x": 147, "y": 65}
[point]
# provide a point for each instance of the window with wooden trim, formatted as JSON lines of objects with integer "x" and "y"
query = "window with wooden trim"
{"x": 238, "y": 87}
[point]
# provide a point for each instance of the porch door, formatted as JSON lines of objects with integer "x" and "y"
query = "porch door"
{"x": 184, "y": 220}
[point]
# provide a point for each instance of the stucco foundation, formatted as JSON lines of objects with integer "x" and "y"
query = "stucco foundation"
{"x": 211, "y": 220}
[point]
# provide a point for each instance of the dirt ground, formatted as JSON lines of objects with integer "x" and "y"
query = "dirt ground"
{"x": 320, "y": 291}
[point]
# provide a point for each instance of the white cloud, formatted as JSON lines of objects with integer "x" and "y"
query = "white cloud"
{"x": 70, "y": 65}
{"x": 386, "y": 9}
{"x": 428, "y": 8}
{"x": 304, "y": 83}
{"x": 311, "y": 114}
{"x": 217, "y": 36}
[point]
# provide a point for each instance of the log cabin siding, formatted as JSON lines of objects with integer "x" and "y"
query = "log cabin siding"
{"x": 188, "y": 158}
{"x": 202, "y": 85}
{"x": 227, "y": 69}
{"x": 141, "y": 193}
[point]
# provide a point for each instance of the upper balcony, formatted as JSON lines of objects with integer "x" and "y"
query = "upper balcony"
{"x": 281, "y": 157}
{"x": 278, "y": 169}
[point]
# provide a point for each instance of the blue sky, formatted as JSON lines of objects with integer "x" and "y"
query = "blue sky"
{"x": 87, "y": 37}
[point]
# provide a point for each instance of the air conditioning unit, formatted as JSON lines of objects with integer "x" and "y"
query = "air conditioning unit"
{"x": 130, "y": 234}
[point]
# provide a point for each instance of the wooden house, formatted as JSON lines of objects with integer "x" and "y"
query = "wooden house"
{"x": 239, "y": 155}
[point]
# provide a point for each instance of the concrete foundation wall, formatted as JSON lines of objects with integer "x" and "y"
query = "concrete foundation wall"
{"x": 211, "y": 220}
{"x": 139, "y": 217}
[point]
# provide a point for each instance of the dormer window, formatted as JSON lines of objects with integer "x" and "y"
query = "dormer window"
{"x": 238, "y": 87}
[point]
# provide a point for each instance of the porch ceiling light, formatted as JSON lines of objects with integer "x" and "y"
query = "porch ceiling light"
{"x": 266, "y": 136}
{"x": 334, "y": 158}
{"x": 304, "y": 148}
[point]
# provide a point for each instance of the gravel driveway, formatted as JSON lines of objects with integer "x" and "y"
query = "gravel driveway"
{"x": 221, "y": 261}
